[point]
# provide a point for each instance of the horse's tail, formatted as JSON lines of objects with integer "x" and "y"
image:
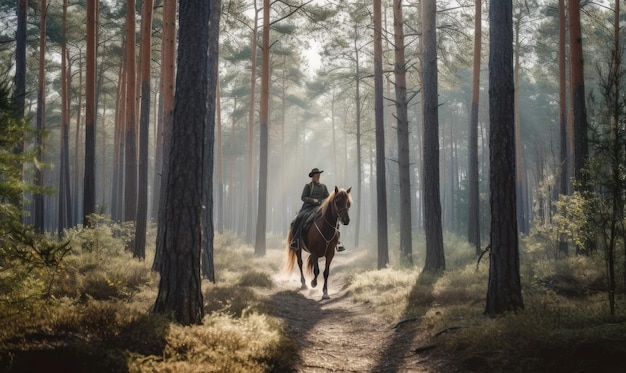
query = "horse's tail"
{"x": 291, "y": 255}
{"x": 309, "y": 265}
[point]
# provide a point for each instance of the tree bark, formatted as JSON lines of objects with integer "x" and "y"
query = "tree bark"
{"x": 404, "y": 174}
{"x": 89, "y": 184}
{"x": 381, "y": 186}
{"x": 180, "y": 289}
{"x": 168, "y": 72}
{"x": 259, "y": 246}
{"x": 144, "y": 129}
{"x": 130, "y": 141}
{"x": 41, "y": 109}
{"x": 208, "y": 269}
{"x": 577, "y": 87}
{"x": 564, "y": 166}
{"x": 435, "y": 259}
{"x": 504, "y": 287}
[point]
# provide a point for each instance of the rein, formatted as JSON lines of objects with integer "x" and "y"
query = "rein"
{"x": 334, "y": 227}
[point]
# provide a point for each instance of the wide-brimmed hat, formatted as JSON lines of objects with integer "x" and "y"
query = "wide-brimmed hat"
{"x": 315, "y": 171}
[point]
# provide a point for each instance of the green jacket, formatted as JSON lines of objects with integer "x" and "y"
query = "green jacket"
{"x": 313, "y": 191}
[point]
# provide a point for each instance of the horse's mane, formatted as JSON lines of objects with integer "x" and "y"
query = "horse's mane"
{"x": 327, "y": 202}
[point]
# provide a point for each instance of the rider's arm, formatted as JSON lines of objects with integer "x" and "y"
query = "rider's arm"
{"x": 306, "y": 193}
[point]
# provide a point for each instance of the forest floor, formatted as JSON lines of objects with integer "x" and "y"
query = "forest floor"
{"x": 341, "y": 335}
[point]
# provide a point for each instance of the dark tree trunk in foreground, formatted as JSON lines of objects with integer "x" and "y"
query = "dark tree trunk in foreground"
{"x": 180, "y": 289}
{"x": 435, "y": 259}
{"x": 504, "y": 291}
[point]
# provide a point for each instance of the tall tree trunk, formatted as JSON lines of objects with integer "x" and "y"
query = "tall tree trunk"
{"x": 208, "y": 268}
{"x": 381, "y": 186}
{"x": 404, "y": 161}
{"x": 89, "y": 193}
{"x": 473, "y": 221}
{"x": 180, "y": 289}
{"x": 41, "y": 110}
{"x": 259, "y": 246}
{"x": 522, "y": 216}
{"x": 250, "y": 181}
{"x": 130, "y": 154}
{"x": 564, "y": 166}
{"x": 577, "y": 88}
{"x": 504, "y": 291}
{"x": 359, "y": 160}
{"x": 144, "y": 130}
{"x": 19, "y": 80}
{"x": 64, "y": 207}
{"x": 168, "y": 88}
{"x": 435, "y": 259}
{"x": 77, "y": 144}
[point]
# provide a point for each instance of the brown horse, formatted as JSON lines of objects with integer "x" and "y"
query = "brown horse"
{"x": 320, "y": 239}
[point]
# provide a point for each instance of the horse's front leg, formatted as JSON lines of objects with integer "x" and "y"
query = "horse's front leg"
{"x": 326, "y": 273}
{"x": 302, "y": 280}
{"x": 316, "y": 271}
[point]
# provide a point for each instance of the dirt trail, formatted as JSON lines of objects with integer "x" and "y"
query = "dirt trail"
{"x": 339, "y": 335}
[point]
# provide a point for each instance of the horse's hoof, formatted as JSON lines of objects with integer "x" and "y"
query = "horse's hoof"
{"x": 303, "y": 287}
{"x": 325, "y": 296}
{"x": 314, "y": 283}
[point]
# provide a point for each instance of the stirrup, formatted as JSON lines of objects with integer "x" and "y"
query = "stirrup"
{"x": 340, "y": 247}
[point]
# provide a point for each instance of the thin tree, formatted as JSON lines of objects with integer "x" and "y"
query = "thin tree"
{"x": 504, "y": 287}
{"x": 473, "y": 221}
{"x": 144, "y": 129}
{"x": 41, "y": 109}
{"x": 381, "y": 186}
{"x": 259, "y": 246}
{"x": 402, "y": 117}
{"x": 89, "y": 184}
{"x": 65, "y": 206}
{"x": 180, "y": 289}
{"x": 19, "y": 80}
{"x": 250, "y": 147}
{"x": 564, "y": 165}
{"x": 130, "y": 150}
{"x": 435, "y": 259}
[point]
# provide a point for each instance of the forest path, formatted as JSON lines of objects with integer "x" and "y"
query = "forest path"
{"x": 339, "y": 334}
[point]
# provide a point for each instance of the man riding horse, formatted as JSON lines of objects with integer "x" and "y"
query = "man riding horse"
{"x": 312, "y": 196}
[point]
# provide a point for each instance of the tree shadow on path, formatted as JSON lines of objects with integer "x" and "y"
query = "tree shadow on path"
{"x": 400, "y": 355}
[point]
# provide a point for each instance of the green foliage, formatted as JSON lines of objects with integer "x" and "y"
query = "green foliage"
{"x": 570, "y": 223}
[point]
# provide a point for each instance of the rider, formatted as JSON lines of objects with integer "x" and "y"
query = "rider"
{"x": 312, "y": 196}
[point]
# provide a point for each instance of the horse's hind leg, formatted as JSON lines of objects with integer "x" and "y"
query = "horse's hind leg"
{"x": 316, "y": 271}
{"x": 302, "y": 280}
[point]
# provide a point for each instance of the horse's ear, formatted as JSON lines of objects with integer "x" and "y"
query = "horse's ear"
{"x": 349, "y": 189}
{"x": 336, "y": 189}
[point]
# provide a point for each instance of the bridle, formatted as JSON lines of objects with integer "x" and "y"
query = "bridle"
{"x": 337, "y": 212}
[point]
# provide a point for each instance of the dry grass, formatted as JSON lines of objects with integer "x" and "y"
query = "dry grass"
{"x": 93, "y": 313}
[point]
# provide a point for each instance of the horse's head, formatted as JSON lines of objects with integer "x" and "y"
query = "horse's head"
{"x": 341, "y": 204}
